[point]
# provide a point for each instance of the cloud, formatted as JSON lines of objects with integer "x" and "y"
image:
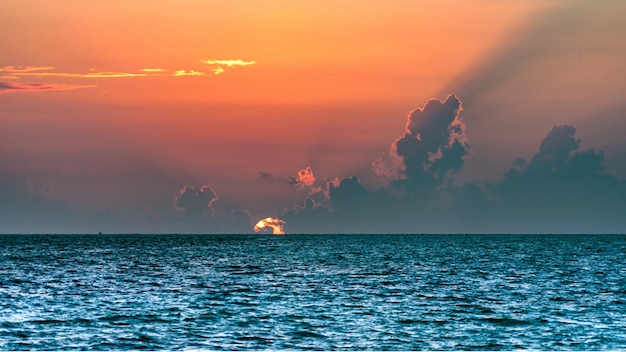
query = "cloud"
{"x": 15, "y": 72}
{"x": 275, "y": 225}
{"x": 305, "y": 177}
{"x": 217, "y": 71}
{"x": 153, "y": 70}
{"x": 304, "y": 180}
{"x": 188, "y": 73}
{"x": 434, "y": 146}
{"x": 266, "y": 176}
{"x": 195, "y": 203}
{"x": 561, "y": 190}
{"x": 23, "y": 69}
{"x": 312, "y": 217}
{"x": 229, "y": 63}
{"x": 239, "y": 222}
{"x": 83, "y": 75}
{"x": 7, "y": 87}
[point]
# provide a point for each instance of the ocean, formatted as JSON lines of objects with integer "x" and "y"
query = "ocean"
{"x": 312, "y": 292}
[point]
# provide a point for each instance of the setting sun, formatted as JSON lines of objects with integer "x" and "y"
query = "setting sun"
{"x": 276, "y": 225}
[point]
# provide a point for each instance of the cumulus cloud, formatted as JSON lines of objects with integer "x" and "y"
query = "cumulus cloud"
{"x": 312, "y": 217}
{"x": 433, "y": 147}
{"x": 7, "y": 87}
{"x": 305, "y": 177}
{"x": 562, "y": 189}
{"x": 195, "y": 203}
{"x": 435, "y": 143}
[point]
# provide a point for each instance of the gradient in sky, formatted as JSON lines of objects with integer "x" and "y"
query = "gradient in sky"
{"x": 188, "y": 116}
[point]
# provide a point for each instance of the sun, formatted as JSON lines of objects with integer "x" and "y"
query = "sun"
{"x": 275, "y": 224}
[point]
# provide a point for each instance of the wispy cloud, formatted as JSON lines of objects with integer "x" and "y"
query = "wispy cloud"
{"x": 14, "y": 72}
{"x": 188, "y": 73}
{"x": 17, "y": 69}
{"x": 217, "y": 65}
{"x": 82, "y": 75}
{"x": 7, "y": 87}
{"x": 153, "y": 70}
{"x": 23, "y": 72}
{"x": 229, "y": 63}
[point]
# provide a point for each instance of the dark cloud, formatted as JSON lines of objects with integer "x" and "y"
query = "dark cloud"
{"x": 6, "y": 87}
{"x": 312, "y": 217}
{"x": 304, "y": 178}
{"x": 195, "y": 202}
{"x": 434, "y": 147}
{"x": 349, "y": 208}
{"x": 196, "y": 214}
{"x": 276, "y": 179}
{"x": 561, "y": 190}
{"x": 23, "y": 210}
{"x": 240, "y": 222}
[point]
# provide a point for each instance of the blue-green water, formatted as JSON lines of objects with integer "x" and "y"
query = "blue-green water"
{"x": 348, "y": 292}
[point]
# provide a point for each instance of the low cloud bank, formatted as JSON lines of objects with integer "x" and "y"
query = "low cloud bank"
{"x": 562, "y": 189}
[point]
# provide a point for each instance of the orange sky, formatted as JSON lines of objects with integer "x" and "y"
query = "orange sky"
{"x": 92, "y": 108}
{"x": 306, "y": 52}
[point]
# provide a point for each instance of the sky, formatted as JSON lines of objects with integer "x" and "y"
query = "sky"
{"x": 312, "y": 117}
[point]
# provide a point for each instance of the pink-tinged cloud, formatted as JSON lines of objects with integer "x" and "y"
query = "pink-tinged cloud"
{"x": 276, "y": 225}
{"x": 18, "y": 69}
{"x": 8, "y": 87}
{"x": 305, "y": 177}
{"x": 82, "y": 75}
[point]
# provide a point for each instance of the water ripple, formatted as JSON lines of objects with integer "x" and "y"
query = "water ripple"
{"x": 348, "y": 292}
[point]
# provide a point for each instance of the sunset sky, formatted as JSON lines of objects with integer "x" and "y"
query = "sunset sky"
{"x": 208, "y": 116}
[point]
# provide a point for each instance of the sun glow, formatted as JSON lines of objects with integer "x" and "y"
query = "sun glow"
{"x": 275, "y": 224}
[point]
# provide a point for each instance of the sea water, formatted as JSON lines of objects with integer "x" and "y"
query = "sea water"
{"x": 322, "y": 292}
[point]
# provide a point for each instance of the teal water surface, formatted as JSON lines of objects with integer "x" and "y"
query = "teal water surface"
{"x": 322, "y": 292}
